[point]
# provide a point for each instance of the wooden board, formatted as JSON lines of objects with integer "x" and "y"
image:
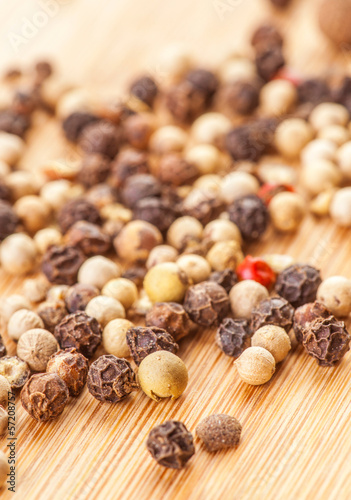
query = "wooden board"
{"x": 296, "y": 440}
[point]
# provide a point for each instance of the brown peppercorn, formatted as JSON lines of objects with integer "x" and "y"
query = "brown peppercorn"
{"x": 266, "y": 35}
{"x": 3, "y": 350}
{"x": 44, "y": 396}
{"x": 14, "y": 123}
{"x": 232, "y": 335}
{"x": 138, "y": 129}
{"x": 298, "y": 284}
{"x": 304, "y": 315}
{"x": 274, "y": 311}
{"x": 251, "y": 141}
{"x": 239, "y": 97}
{"x": 173, "y": 169}
{"x": 78, "y": 296}
{"x": 202, "y": 205}
{"x": 145, "y": 89}
{"x": 135, "y": 274}
{"x": 204, "y": 82}
{"x": 75, "y": 211}
{"x": 251, "y": 216}
{"x": 88, "y": 237}
{"x": 52, "y": 313}
{"x": 94, "y": 170}
{"x": 206, "y": 303}
{"x": 142, "y": 341}
{"x": 171, "y": 444}
{"x": 24, "y": 102}
{"x": 327, "y": 340}
{"x": 129, "y": 162}
{"x": 60, "y": 264}
{"x": 101, "y": 195}
{"x": 155, "y": 211}
{"x": 140, "y": 186}
{"x": 342, "y": 93}
{"x": 43, "y": 70}
{"x": 219, "y": 431}
{"x": 101, "y": 137}
{"x": 134, "y": 242}
{"x": 8, "y": 220}
{"x": 111, "y": 379}
{"x": 15, "y": 370}
{"x": 170, "y": 316}
{"x": 72, "y": 367}
{"x": 5, "y": 192}
{"x": 80, "y": 331}
{"x": 227, "y": 278}
{"x": 313, "y": 91}
{"x": 269, "y": 61}
{"x": 75, "y": 123}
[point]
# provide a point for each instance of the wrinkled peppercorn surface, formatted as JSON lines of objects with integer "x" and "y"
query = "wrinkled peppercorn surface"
{"x": 219, "y": 431}
{"x": 75, "y": 211}
{"x": 52, "y": 312}
{"x": 15, "y": 370}
{"x": 232, "y": 335}
{"x": 72, "y": 367}
{"x": 298, "y": 284}
{"x": 304, "y": 315}
{"x": 171, "y": 317}
{"x": 227, "y": 278}
{"x": 206, "y": 303}
{"x": 74, "y": 124}
{"x": 94, "y": 170}
{"x": 274, "y": 311}
{"x": 88, "y": 237}
{"x": 251, "y": 216}
{"x": 142, "y": 341}
{"x": 61, "y": 264}
{"x": 80, "y": 331}
{"x": 78, "y": 296}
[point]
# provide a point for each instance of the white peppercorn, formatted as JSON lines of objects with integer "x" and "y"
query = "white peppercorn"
{"x": 11, "y": 148}
{"x": 33, "y": 211}
{"x": 277, "y": 97}
{"x": 105, "y": 309}
{"x": 287, "y": 211}
{"x": 22, "y": 321}
{"x": 5, "y": 388}
{"x": 35, "y": 289}
{"x": 255, "y": 366}
{"x": 166, "y": 283}
{"x": 225, "y": 255}
{"x": 343, "y": 158}
{"x": 136, "y": 239}
{"x": 319, "y": 149}
{"x": 57, "y": 193}
{"x": 335, "y": 133}
{"x": 274, "y": 339}
{"x": 238, "y": 184}
{"x": 335, "y": 294}
{"x": 210, "y": 128}
{"x": 160, "y": 254}
{"x": 184, "y": 230}
{"x": 221, "y": 230}
{"x": 121, "y": 289}
{"x": 205, "y": 157}
{"x": 291, "y": 136}
{"x": 46, "y": 237}
{"x": 114, "y": 337}
{"x": 320, "y": 175}
{"x": 246, "y": 295}
{"x": 97, "y": 271}
{"x": 4, "y": 420}
{"x": 35, "y": 348}
{"x": 169, "y": 138}
{"x": 18, "y": 254}
{"x": 328, "y": 113}
{"x": 340, "y": 208}
{"x": 195, "y": 267}
{"x": 13, "y": 303}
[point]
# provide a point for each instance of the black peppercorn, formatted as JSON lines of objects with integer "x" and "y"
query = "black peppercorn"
{"x": 304, "y": 315}
{"x": 94, "y": 170}
{"x": 251, "y": 216}
{"x": 313, "y": 91}
{"x": 173, "y": 169}
{"x": 342, "y": 93}
{"x": 5, "y": 192}
{"x": 78, "y": 296}
{"x": 61, "y": 264}
{"x": 89, "y": 238}
{"x": 138, "y": 130}
{"x": 145, "y": 89}
{"x": 268, "y": 62}
{"x": 80, "y": 331}
{"x": 74, "y": 124}
{"x": 170, "y": 316}
{"x": 265, "y": 36}
{"x": 72, "y": 367}
{"x": 101, "y": 137}
{"x": 77, "y": 210}
{"x": 206, "y": 303}
{"x": 240, "y": 97}
{"x": 232, "y": 335}
{"x": 327, "y": 340}
{"x": 156, "y": 212}
{"x": 135, "y": 274}
{"x": 14, "y": 123}
{"x": 298, "y": 284}
{"x": 44, "y": 396}
{"x": 204, "y": 82}
{"x": 227, "y": 278}
{"x": 251, "y": 141}
{"x": 25, "y": 101}
{"x": 140, "y": 186}
{"x": 171, "y": 444}
{"x": 129, "y": 162}
{"x": 203, "y": 206}
{"x": 43, "y": 70}
{"x": 142, "y": 341}
{"x": 8, "y": 220}
{"x": 111, "y": 379}
{"x": 52, "y": 313}
{"x": 3, "y": 350}
{"x": 274, "y": 311}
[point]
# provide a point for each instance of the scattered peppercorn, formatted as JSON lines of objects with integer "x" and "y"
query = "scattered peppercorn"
{"x": 298, "y": 284}
{"x": 255, "y": 366}
{"x": 78, "y": 296}
{"x": 88, "y": 237}
{"x": 171, "y": 444}
{"x": 251, "y": 216}
{"x": 35, "y": 348}
{"x": 273, "y": 311}
{"x": 94, "y": 170}
{"x": 8, "y": 220}
{"x": 145, "y": 89}
{"x": 232, "y": 336}
{"x": 111, "y": 379}
{"x": 75, "y": 123}
{"x": 15, "y": 370}
{"x": 14, "y": 123}
{"x": 240, "y": 97}
{"x": 52, "y": 313}
{"x": 305, "y": 315}
{"x": 135, "y": 274}
{"x": 80, "y": 331}
{"x": 155, "y": 211}
{"x": 61, "y": 264}
{"x": 256, "y": 269}
{"x": 206, "y": 303}
{"x": 77, "y": 210}
{"x": 274, "y": 339}
{"x": 219, "y": 431}
{"x": 140, "y": 186}
{"x": 143, "y": 341}
{"x": 101, "y": 137}
{"x": 175, "y": 170}
{"x": 72, "y": 367}
{"x": 128, "y": 163}
{"x": 265, "y": 36}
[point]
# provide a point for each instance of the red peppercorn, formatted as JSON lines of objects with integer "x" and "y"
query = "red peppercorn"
{"x": 254, "y": 268}
{"x": 269, "y": 190}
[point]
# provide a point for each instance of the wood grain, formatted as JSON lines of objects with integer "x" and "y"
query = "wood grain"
{"x": 296, "y": 440}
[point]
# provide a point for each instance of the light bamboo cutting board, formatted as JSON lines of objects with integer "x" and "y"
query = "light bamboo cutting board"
{"x": 296, "y": 440}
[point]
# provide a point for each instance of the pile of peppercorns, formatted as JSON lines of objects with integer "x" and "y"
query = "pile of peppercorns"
{"x": 152, "y": 222}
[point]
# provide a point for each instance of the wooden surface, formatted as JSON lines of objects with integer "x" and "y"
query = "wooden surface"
{"x": 296, "y": 439}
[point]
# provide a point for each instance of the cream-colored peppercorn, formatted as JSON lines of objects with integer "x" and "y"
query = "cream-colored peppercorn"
{"x": 33, "y": 211}
{"x": 116, "y": 212}
{"x": 208, "y": 183}
{"x": 340, "y": 207}
{"x": 237, "y": 69}
{"x": 5, "y": 388}
{"x": 11, "y": 148}
{"x": 319, "y": 149}
{"x": 328, "y": 113}
{"x": 221, "y": 230}
{"x": 277, "y": 174}
{"x": 4, "y": 420}
{"x": 135, "y": 241}
{"x": 320, "y": 205}
{"x": 18, "y": 254}
{"x": 162, "y": 375}
{"x": 206, "y": 157}
{"x": 195, "y": 267}
{"x": 255, "y": 366}
{"x": 35, "y": 348}
{"x": 225, "y": 255}
{"x": 13, "y": 303}
{"x": 4, "y": 468}
{"x": 291, "y": 136}
{"x": 183, "y": 230}
{"x": 97, "y": 271}
{"x": 57, "y": 293}
{"x": 35, "y": 289}
{"x": 210, "y": 128}
{"x": 343, "y": 158}
{"x": 57, "y": 193}
{"x": 46, "y": 237}
{"x": 121, "y": 289}
{"x": 238, "y": 184}
{"x": 335, "y": 294}
{"x": 114, "y": 337}
{"x": 21, "y": 183}
{"x": 287, "y": 211}
{"x": 320, "y": 175}
{"x": 141, "y": 306}
{"x": 77, "y": 99}
{"x": 335, "y": 133}
{"x": 274, "y": 339}
{"x": 277, "y": 97}
{"x": 160, "y": 254}
{"x": 105, "y": 309}
{"x": 278, "y": 262}
{"x": 22, "y": 321}
{"x": 169, "y": 138}
{"x": 174, "y": 62}
{"x": 166, "y": 283}
{"x": 246, "y": 295}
